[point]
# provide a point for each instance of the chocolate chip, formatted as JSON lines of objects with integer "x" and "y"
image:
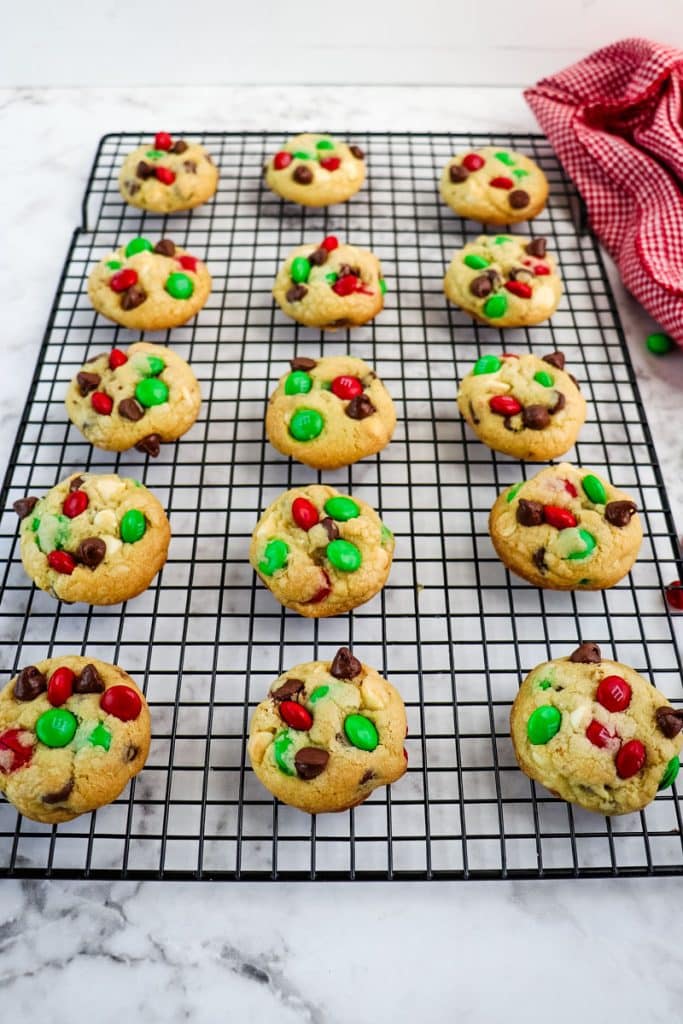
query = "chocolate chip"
{"x": 481, "y": 286}
{"x": 190, "y": 166}
{"x": 133, "y": 297}
{"x": 586, "y": 654}
{"x": 89, "y": 681}
{"x": 290, "y": 688}
{"x": 535, "y": 417}
{"x": 538, "y": 558}
{"x": 366, "y": 777}
{"x": 60, "y": 795}
{"x": 91, "y": 552}
{"x": 302, "y": 175}
{"x": 330, "y": 527}
{"x": 318, "y": 257}
{"x": 457, "y": 173}
{"x": 357, "y": 152}
{"x": 556, "y": 358}
{"x": 344, "y": 665}
{"x": 529, "y": 513}
{"x": 87, "y": 381}
{"x": 669, "y": 721}
{"x": 521, "y": 274}
{"x": 149, "y": 445}
{"x": 131, "y": 753}
{"x": 346, "y": 271}
{"x": 475, "y": 418}
{"x": 310, "y": 762}
{"x": 144, "y": 170}
{"x": 165, "y": 247}
{"x": 30, "y": 684}
{"x": 318, "y": 556}
{"x": 359, "y": 408}
{"x": 179, "y": 146}
{"x": 76, "y": 483}
{"x": 509, "y": 425}
{"x": 518, "y": 199}
{"x": 536, "y": 247}
{"x": 133, "y": 187}
{"x": 296, "y": 293}
{"x": 574, "y": 381}
{"x": 618, "y": 513}
{"x": 302, "y": 363}
{"x": 24, "y": 506}
{"x": 560, "y": 403}
{"x": 131, "y": 409}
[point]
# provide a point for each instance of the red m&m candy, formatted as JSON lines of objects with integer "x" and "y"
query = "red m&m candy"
{"x": 630, "y": 759}
{"x": 614, "y": 693}
{"x": 123, "y": 279}
{"x": 165, "y": 175}
{"x": 188, "y": 262}
{"x": 75, "y": 503}
{"x": 121, "y": 702}
{"x": 117, "y": 357}
{"x": 304, "y": 513}
{"x": 60, "y": 686}
{"x": 346, "y": 285}
{"x": 560, "y": 518}
{"x": 501, "y": 182}
{"x": 519, "y": 288}
{"x": 330, "y": 243}
{"x": 13, "y": 752}
{"x": 295, "y": 715}
{"x": 598, "y": 734}
{"x": 570, "y": 489}
{"x": 162, "y": 140}
{"x": 323, "y": 592}
{"x": 61, "y": 561}
{"x": 674, "y": 595}
{"x": 473, "y": 162}
{"x": 330, "y": 163}
{"x": 504, "y": 405}
{"x": 346, "y": 387}
{"x": 101, "y": 403}
{"x": 541, "y": 269}
{"x": 282, "y": 160}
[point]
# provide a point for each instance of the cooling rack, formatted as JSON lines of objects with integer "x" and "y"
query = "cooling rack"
{"x": 452, "y": 629}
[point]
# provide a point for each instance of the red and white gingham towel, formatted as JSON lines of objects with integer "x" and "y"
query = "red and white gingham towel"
{"x": 615, "y": 120}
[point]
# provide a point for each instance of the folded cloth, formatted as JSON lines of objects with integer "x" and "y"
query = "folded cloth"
{"x": 615, "y": 120}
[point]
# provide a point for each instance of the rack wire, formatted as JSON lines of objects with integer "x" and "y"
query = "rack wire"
{"x": 452, "y": 629}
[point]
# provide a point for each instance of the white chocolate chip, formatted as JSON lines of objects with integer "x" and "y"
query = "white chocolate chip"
{"x": 108, "y": 487}
{"x": 113, "y": 545}
{"x": 105, "y": 521}
{"x": 374, "y": 694}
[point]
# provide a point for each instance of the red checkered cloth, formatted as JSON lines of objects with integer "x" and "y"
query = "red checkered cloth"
{"x": 615, "y": 120}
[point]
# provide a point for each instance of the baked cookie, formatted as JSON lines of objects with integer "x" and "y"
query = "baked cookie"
{"x": 167, "y": 176}
{"x": 328, "y": 734}
{"x": 566, "y": 529}
{"x": 330, "y": 412}
{"x": 149, "y": 287}
{"x": 95, "y": 538}
{"x": 330, "y": 285}
{"x": 135, "y": 399}
{"x": 595, "y": 733}
{"x": 494, "y": 185}
{"x": 504, "y": 281}
{"x": 316, "y": 170}
{"x": 73, "y": 733}
{"x": 522, "y": 405}
{"x": 320, "y": 552}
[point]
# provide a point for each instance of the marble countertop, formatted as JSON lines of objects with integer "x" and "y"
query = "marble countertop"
{"x": 297, "y": 952}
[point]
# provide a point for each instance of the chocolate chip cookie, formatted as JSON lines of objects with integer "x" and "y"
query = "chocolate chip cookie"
{"x": 73, "y": 732}
{"x": 316, "y": 170}
{"x": 168, "y": 175}
{"x": 321, "y": 553}
{"x": 328, "y": 734}
{"x": 596, "y": 733}
{"x": 566, "y": 529}
{"x": 98, "y": 538}
{"x": 493, "y": 185}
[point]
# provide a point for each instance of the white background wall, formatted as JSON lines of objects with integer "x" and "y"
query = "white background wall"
{"x": 199, "y": 42}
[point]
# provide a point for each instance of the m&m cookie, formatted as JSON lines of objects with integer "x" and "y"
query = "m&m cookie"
{"x": 494, "y": 185}
{"x": 316, "y": 170}
{"x": 167, "y": 175}
{"x": 595, "y": 733}
{"x": 328, "y": 734}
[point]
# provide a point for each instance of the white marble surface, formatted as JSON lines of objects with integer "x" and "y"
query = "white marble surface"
{"x": 320, "y": 953}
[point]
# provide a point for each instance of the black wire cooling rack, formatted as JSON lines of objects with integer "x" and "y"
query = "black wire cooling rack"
{"x": 452, "y": 629}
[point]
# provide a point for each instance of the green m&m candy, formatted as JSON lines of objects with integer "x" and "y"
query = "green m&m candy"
{"x": 543, "y": 724}
{"x": 594, "y": 489}
{"x": 298, "y": 383}
{"x": 300, "y": 155}
{"x": 659, "y": 343}
{"x": 495, "y": 306}
{"x": 179, "y": 286}
{"x": 114, "y": 264}
{"x": 585, "y": 546}
{"x": 154, "y": 154}
{"x": 544, "y": 684}
{"x": 318, "y": 694}
{"x": 501, "y": 239}
{"x": 284, "y": 755}
{"x": 520, "y": 173}
{"x": 486, "y": 364}
{"x": 475, "y": 262}
{"x": 151, "y": 391}
{"x": 361, "y": 732}
{"x": 546, "y": 379}
{"x": 344, "y": 555}
{"x": 133, "y": 526}
{"x": 382, "y": 286}
{"x": 100, "y": 736}
{"x": 300, "y": 270}
{"x": 342, "y": 508}
{"x": 306, "y": 424}
{"x": 505, "y": 158}
{"x": 386, "y": 536}
{"x": 56, "y": 727}
{"x": 331, "y": 278}
{"x": 138, "y": 245}
{"x": 274, "y": 557}
{"x": 514, "y": 491}
{"x": 669, "y": 776}
{"x": 324, "y": 144}
{"x": 156, "y": 365}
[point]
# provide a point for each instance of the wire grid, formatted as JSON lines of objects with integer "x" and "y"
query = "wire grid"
{"x": 452, "y": 629}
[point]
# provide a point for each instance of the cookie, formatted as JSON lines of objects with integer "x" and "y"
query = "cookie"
{"x": 149, "y": 287}
{"x": 331, "y": 285}
{"x": 330, "y": 412}
{"x": 504, "y": 281}
{"x": 595, "y": 733}
{"x": 522, "y": 405}
{"x": 168, "y": 175}
{"x": 316, "y": 170}
{"x": 328, "y": 734}
{"x": 73, "y": 733}
{"x": 566, "y": 529}
{"x": 95, "y": 538}
{"x": 493, "y": 185}
{"x": 135, "y": 399}
{"x": 321, "y": 553}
